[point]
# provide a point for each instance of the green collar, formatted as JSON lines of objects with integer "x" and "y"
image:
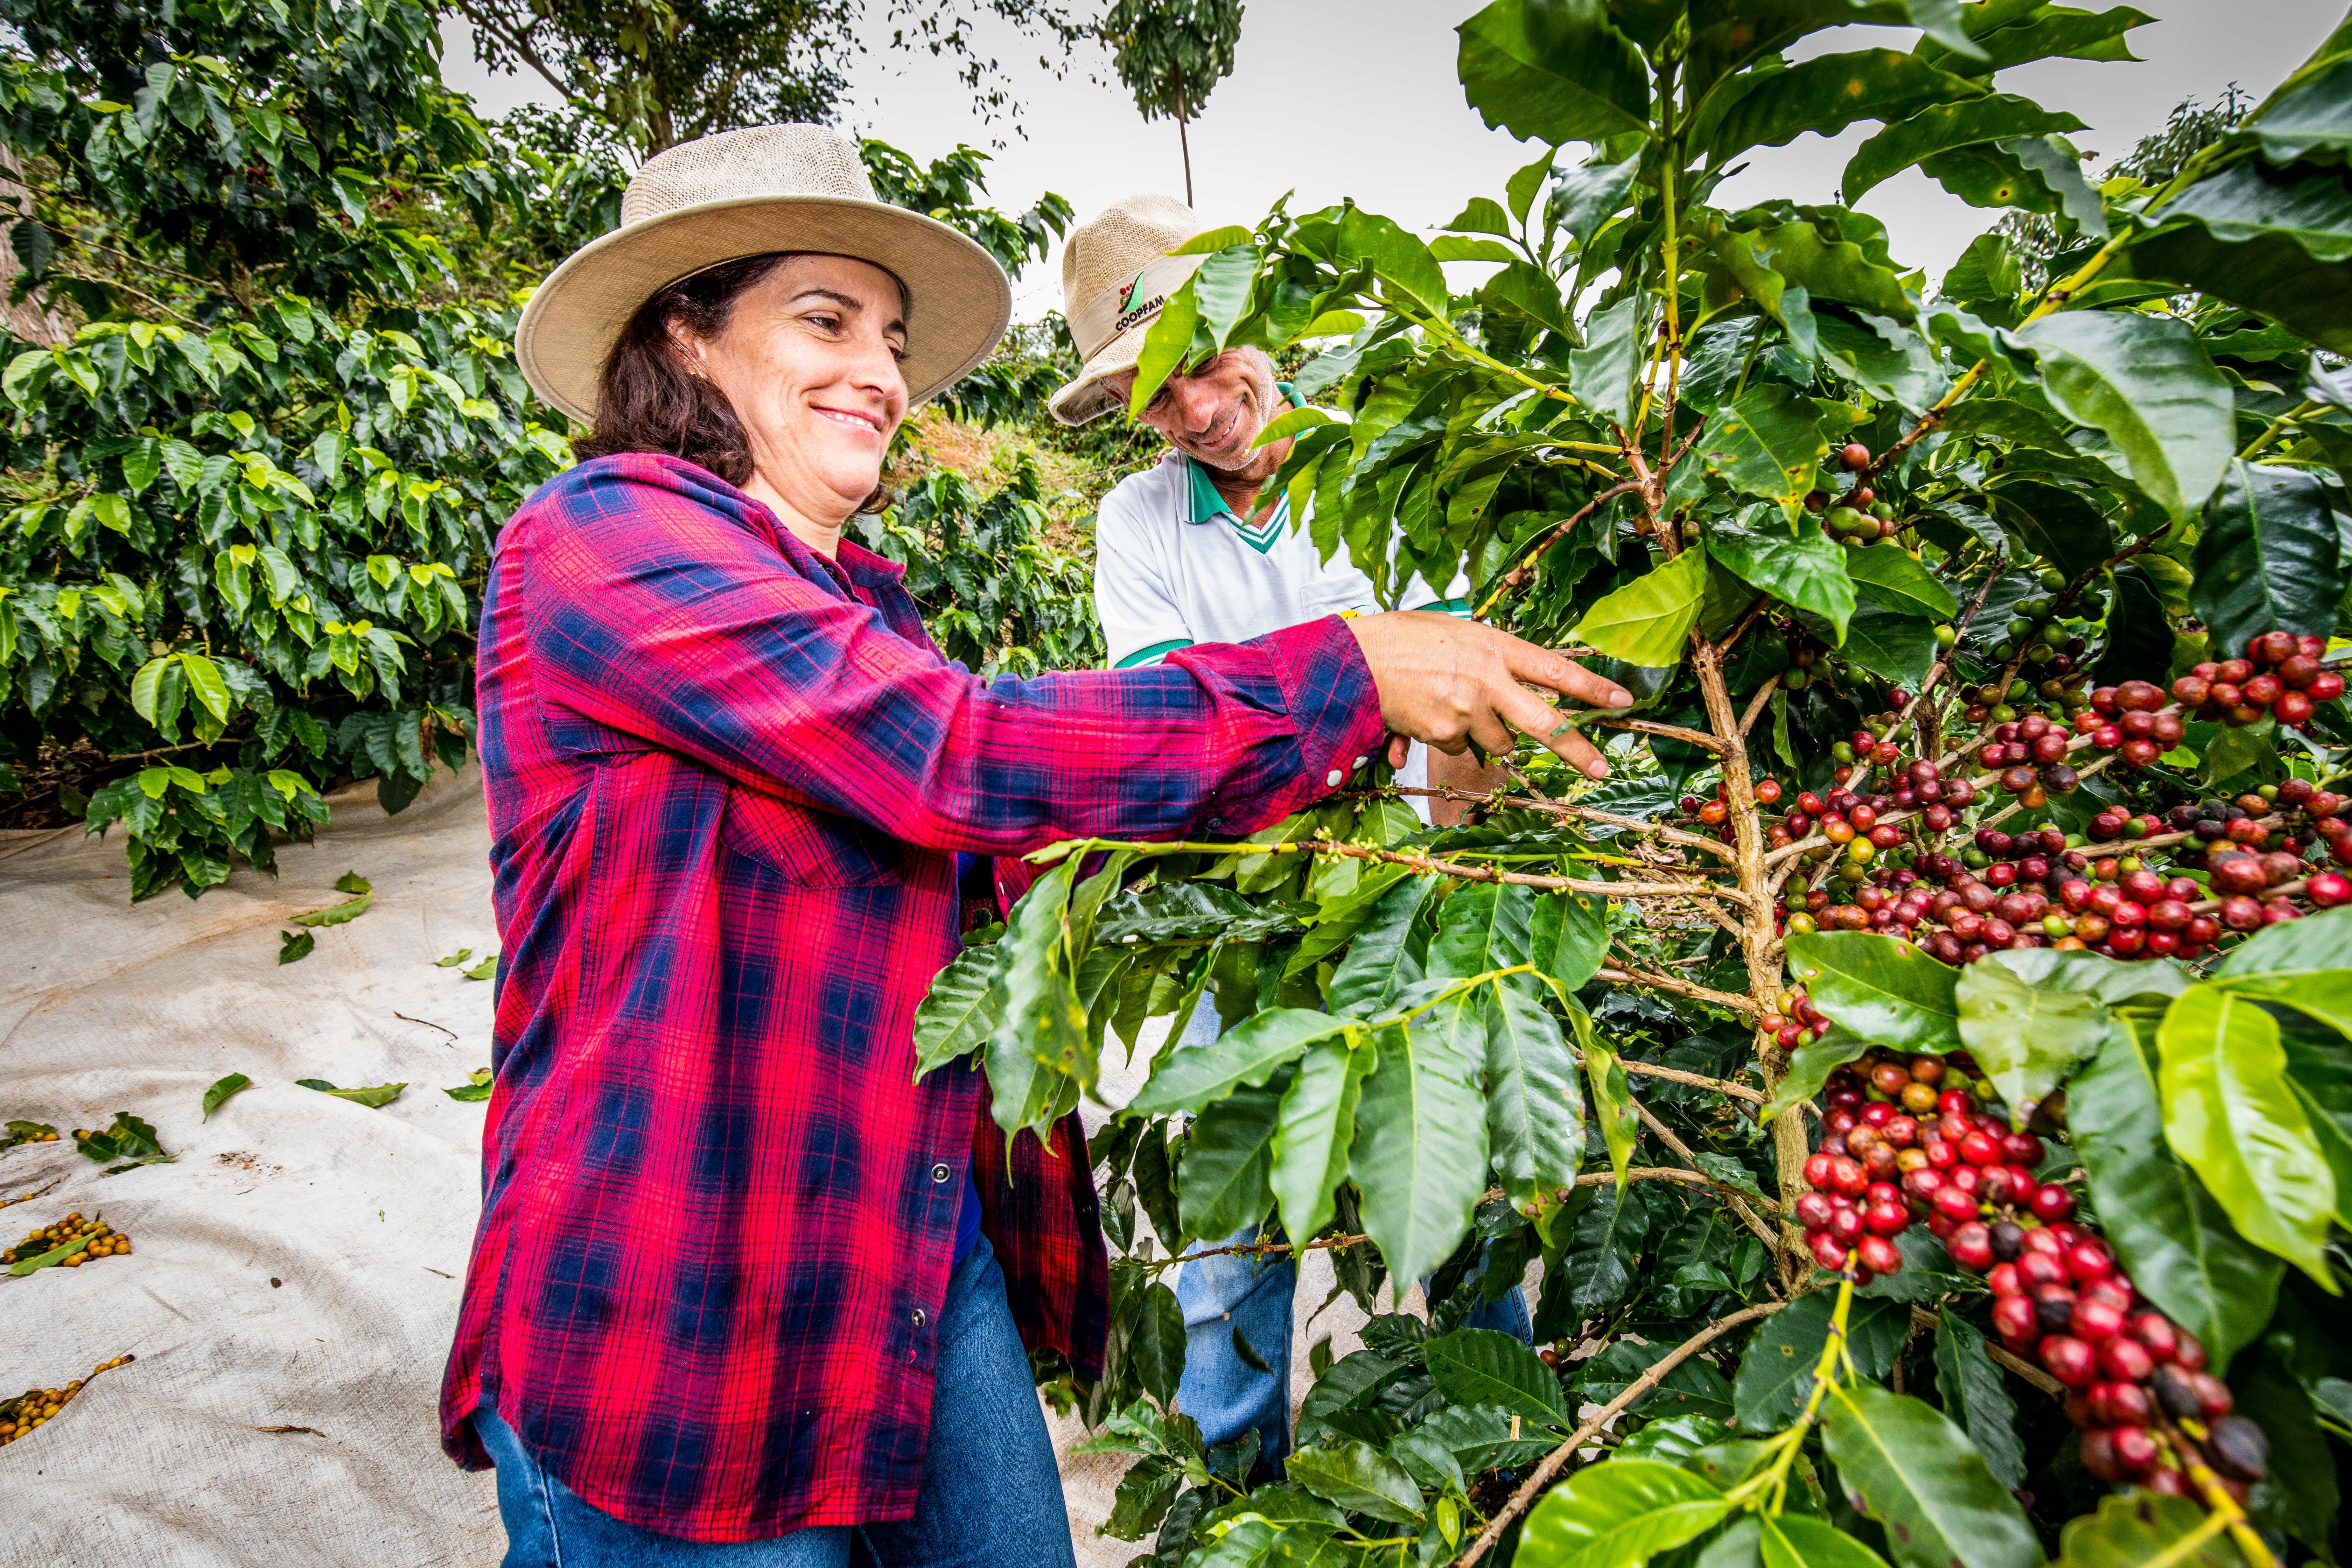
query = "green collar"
{"x": 1207, "y": 505}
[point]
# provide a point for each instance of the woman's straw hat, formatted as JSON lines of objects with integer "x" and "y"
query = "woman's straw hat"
{"x": 1116, "y": 275}
{"x": 747, "y": 193}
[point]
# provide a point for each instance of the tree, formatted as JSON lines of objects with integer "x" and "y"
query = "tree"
{"x": 664, "y": 72}
{"x": 1922, "y": 1070}
{"x": 1172, "y": 54}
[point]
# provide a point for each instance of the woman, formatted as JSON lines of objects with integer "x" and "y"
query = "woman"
{"x": 736, "y": 1294}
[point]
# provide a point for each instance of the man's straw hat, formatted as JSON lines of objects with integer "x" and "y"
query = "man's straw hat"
{"x": 1116, "y": 275}
{"x": 749, "y": 193}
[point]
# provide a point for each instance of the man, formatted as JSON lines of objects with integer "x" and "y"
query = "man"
{"x": 1193, "y": 551}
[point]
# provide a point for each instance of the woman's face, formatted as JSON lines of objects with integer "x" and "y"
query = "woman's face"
{"x": 809, "y": 358}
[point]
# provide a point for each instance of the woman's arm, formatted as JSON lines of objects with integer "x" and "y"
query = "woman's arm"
{"x": 648, "y": 613}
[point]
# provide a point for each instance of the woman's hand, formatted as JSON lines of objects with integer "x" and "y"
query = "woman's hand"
{"x": 1450, "y": 682}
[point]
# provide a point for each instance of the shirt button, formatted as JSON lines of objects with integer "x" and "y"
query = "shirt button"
{"x": 940, "y": 1173}
{"x": 1333, "y": 778}
{"x": 922, "y": 1317}
{"x": 1361, "y": 761}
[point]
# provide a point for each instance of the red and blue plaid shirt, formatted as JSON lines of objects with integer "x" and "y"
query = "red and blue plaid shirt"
{"x": 727, "y": 780}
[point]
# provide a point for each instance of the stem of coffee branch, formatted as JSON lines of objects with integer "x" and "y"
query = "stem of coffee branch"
{"x": 1552, "y": 1463}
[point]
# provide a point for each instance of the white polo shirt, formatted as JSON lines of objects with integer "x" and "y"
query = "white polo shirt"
{"x": 1175, "y": 565}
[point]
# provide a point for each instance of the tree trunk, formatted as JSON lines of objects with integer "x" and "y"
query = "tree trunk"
{"x": 32, "y": 320}
{"x": 1185, "y": 142}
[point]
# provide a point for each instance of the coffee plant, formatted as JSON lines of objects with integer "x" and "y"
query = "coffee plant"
{"x": 1922, "y": 1069}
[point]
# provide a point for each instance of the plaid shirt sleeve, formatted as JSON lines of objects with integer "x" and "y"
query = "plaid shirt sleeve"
{"x": 659, "y": 618}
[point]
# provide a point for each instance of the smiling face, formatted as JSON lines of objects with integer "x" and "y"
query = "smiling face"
{"x": 809, "y": 358}
{"x": 1213, "y": 413}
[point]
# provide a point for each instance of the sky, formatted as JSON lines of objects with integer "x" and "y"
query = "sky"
{"x": 1359, "y": 98}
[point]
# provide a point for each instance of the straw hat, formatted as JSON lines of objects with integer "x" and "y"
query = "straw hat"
{"x": 1116, "y": 275}
{"x": 747, "y": 193}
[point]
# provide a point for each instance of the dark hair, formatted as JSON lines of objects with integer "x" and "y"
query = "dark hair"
{"x": 648, "y": 400}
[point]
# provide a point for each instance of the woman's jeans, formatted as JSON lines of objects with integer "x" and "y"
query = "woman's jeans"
{"x": 990, "y": 1497}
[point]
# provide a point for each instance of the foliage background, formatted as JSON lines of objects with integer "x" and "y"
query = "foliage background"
{"x": 263, "y": 420}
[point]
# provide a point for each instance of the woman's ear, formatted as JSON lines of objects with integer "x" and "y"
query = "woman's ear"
{"x": 687, "y": 347}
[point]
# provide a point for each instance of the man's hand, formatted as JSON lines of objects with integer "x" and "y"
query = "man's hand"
{"x": 1466, "y": 773}
{"x": 1450, "y": 682}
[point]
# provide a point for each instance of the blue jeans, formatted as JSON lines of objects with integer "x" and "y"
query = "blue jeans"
{"x": 1257, "y": 1296}
{"x": 991, "y": 1498}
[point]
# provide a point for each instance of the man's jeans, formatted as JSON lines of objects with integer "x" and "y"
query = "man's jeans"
{"x": 1255, "y": 1296}
{"x": 991, "y": 1498}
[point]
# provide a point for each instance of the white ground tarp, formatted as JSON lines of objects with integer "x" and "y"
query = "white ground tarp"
{"x": 293, "y": 1277}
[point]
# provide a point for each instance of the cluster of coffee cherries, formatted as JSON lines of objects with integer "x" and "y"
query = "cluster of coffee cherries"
{"x": 2046, "y": 636}
{"x": 2027, "y": 757}
{"x": 1913, "y": 1139}
{"x": 2280, "y": 675}
{"x": 1800, "y": 1020}
{"x": 2276, "y": 820}
{"x": 1857, "y": 517}
{"x": 2030, "y": 889}
{"x": 101, "y": 1240}
{"x": 38, "y": 1406}
{"x": 2060, "y": 1300}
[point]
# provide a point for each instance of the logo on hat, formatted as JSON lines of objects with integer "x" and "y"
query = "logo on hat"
{"x": 1127, "y": 296}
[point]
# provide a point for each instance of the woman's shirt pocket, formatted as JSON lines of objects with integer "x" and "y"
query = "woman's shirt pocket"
{"x": 808, "y": 847}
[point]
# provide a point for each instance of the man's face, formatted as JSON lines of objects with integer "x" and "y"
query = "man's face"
{"x": 1215, "y": 413}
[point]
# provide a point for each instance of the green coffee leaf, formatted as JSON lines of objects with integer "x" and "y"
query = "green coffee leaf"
{"x": 1912, "y": 1470}
{"x": 2269, "y": 557}
{"x": 1189, "y": 1079}
{"x": 127, "y": 1137}
{"x": 1622, "y": 1512}
{"x": 1553, "y": 73}
{"x": 216, "y": 1096}
{"x": 2147, "y": 383}
{"x": 955, "y": 1018}
{"x": 295, "y": 944}
{"x": 476, "y": 1087}
{"x": 1809, "y": 571}
{"x": 1227, "y": 1176}
{"x": 1360, "y": 1479}
{"x": 1766, "y": 442}
{"x": 1879, "y": 989}
{"x": 1420, "y": 1155}
{"x": 2025, "y": 1037}
{"x": 1974, "y": 1396}
{"x": 49, "y": 1259}
{"x": 1313, "y": 1130}
{"x": 2229, "y": 1113}
{"x": 381, "y": 1094}
{"x": 2134, "y": 1528}
{"x": 1535, "y": 1107}
{"x": 1646, "y": 621}
{"x": 1482, "y": 1366}
{"x": 335, "y": 914}
{"x": 2176, "y": 1242}
{"x": 1793, "y": 1541}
